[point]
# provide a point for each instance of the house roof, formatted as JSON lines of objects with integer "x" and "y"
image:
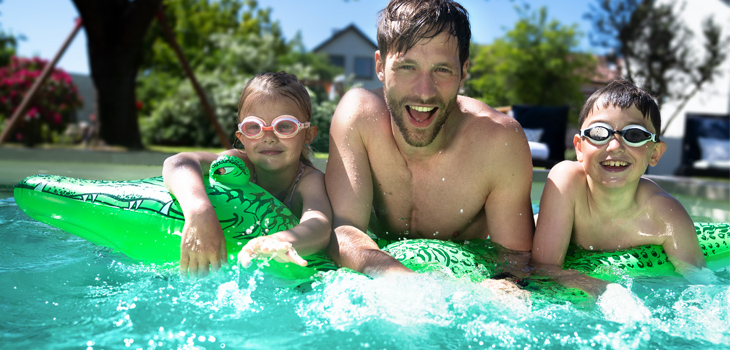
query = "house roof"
{"x": 339, "y": 33}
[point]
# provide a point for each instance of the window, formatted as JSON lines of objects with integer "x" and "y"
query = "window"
{"x": 337, "y": 61}
{"x": 364, "y": 67}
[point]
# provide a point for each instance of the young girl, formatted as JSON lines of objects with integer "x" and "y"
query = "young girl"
{"x": 274, "y": 112}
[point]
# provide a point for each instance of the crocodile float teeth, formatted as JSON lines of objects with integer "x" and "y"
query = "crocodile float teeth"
{"x": 166, "y": 208}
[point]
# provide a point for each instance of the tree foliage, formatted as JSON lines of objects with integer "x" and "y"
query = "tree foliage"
{"x": 8, "y": 44}
{"x": 657, "y": 47}
{"x": 534, "y": 63}
{"x": 226, "y": 43}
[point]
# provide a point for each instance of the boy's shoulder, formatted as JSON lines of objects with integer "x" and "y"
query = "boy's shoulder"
{"x": 568, "y": 173}
{"x": 657, "y": 201}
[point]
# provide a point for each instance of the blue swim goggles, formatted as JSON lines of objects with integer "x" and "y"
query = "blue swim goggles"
{"x": 634, "y": 135}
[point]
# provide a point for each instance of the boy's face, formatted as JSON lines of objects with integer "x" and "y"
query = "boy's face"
{"x": 615, "y": 163}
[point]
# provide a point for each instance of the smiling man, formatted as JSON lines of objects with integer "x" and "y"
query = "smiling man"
{"x": 416, "y": 160}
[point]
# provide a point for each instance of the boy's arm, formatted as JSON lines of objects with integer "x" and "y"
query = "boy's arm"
{"x": 555, "y": 219}
{"x": 555, "y": 227}
{"x": 350, "y": 188}
{"x": 681, "y": 244}
{"x": 203, "y": 245}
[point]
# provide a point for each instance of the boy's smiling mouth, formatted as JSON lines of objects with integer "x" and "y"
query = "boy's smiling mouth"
{"x": 421, "y": 115}
{"x": 614, "y": 165}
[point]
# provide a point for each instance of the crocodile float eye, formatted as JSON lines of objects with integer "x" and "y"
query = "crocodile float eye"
{"x": 224, "y": 170}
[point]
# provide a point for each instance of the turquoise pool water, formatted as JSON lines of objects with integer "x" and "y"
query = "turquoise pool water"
{"x": 58, "y": 291}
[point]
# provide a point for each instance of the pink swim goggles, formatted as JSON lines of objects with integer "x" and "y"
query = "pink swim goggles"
{"x": 283, "y": 126}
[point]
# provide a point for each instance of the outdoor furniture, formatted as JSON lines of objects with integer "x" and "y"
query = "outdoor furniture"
{"x": 705, "y": 146}
{"x": 545, "y": 128}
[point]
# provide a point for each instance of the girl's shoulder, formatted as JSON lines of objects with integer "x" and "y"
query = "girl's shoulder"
{"x": 310, "y": 173}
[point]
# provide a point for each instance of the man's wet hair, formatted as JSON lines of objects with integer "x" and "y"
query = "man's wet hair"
{"x": 404, "y": 22}
{"x": 623, "y": 94}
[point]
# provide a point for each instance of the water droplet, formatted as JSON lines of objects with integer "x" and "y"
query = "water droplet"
{"x": 591, "y": 247}
{"x": 462, "y": 211}
{"x": 443, "y": 179}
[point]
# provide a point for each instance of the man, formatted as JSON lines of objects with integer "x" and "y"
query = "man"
{"x": 416, "y": 160}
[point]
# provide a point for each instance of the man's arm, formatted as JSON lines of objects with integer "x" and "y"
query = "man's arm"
{"x": 350, "y": 188}
{"x": 509, "y": 211}
{"x": 510, "y": 222}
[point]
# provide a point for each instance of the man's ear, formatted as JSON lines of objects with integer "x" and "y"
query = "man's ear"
{"x": 464, "y": 69}
{"x": 379, "y": 66}
{"x": 657, "y": 153}
{"x": 578, "y": 147}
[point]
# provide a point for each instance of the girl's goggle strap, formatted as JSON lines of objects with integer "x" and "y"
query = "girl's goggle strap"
{"x": 284, "y": 126}
{"x": 634, "y": 135}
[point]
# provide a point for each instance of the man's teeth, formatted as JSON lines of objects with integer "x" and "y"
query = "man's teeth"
{"x": 421, "y": 109}
{"x": 614, "y": 163}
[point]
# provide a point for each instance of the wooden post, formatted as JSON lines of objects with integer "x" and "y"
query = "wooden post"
{"x": 189, "y": 72}
{"x": 10, "y": 124}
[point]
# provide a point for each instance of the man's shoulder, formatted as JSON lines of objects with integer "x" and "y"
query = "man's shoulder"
{"x": 480, "y": 114}
{"x": 361, "y": 95}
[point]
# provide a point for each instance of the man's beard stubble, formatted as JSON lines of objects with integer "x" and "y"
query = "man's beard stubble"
{"x": 419, "y": 137}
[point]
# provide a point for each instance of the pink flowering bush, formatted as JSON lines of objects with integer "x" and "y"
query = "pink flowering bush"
{"x": 51, "y": 109}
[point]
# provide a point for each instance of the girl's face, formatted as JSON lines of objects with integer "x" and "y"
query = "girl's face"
{"x": 270, "y": 152}
{"x": 615, "y": 163}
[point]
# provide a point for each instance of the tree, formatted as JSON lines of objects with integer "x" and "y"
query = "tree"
{"x": 115, "y": 37}
{"x": 226, "y": 42}
{"x": 8, "y": 44}
{"x": 656, "y": 47}
{"x": 534, "y": 63}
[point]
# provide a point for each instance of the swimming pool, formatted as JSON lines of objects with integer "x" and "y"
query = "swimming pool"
{"x": 58, "y": 291}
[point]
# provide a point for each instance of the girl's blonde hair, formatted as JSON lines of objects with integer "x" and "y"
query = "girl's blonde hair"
{"x": 272, "y": 84}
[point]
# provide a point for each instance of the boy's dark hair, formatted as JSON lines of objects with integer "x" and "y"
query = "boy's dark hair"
{"x": 404, "y": 22}
{"x": 624, "y": 94}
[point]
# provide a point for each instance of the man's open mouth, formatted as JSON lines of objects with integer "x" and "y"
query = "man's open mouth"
{"x": 420, "y": 114}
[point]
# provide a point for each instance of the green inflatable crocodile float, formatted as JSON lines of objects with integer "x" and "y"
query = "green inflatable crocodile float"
{"x": 141, "y": 219}
{"x": 144, "y": 221}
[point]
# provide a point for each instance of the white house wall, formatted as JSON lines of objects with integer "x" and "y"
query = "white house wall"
{"x": 714, "y": 98}
{"x": 351, "y": 45}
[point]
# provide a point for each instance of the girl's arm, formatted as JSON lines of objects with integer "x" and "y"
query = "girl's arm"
{"x": 310, "y": 236}
{"x": 203, "y": 245}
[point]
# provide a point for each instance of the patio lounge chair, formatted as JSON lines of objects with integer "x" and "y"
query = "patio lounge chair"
{"x": 705, "y": 146}
{"x": 545, "y": 127}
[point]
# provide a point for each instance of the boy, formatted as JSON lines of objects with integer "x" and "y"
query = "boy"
{"x": 601, "y": 202}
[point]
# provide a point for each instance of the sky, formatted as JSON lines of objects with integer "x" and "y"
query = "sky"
{"x": 46, "y": 24}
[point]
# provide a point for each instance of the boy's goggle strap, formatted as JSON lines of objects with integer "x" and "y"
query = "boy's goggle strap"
{"x": 284, "y": 126}
{"x": 634, "y": 135}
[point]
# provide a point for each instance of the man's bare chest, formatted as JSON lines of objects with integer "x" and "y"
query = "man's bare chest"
{"x": 428, "y": 203}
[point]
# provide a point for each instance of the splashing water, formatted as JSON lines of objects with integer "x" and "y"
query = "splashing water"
{"x": 58, "y": 291}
